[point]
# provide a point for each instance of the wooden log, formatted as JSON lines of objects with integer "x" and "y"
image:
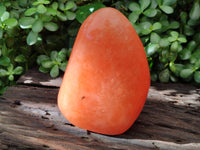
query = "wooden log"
{"x": 29, "y": 118}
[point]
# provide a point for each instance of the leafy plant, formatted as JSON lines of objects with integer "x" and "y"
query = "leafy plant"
{"x": 34, "y": 33}
{"x": 22, "y": 41}
{"x": 170, "y": 57}
{"x": 53, "y": 63}
{"x": 41, "y": 16}
{"x": 84, "y": 11}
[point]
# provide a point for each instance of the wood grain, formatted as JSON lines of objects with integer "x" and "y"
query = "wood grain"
{"x": 30, "y": 119}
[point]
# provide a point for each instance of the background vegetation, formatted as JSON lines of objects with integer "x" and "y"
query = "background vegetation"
{"x": 41, "y": 33}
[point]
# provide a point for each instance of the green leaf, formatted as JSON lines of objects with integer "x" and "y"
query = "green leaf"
{"x": 144, "y": 4}
{"x": 151, "y": 12}
{"x": 167, "y": 9}
{"x": 134, "y": 6}
{"x": 184, "y": 16}
{"x": 51, "y": 26}
{"x": 62, "y": 16}
{"x": 156, "y": 26}
{"x": 137, "y": 28}
{"x": 84, "y": 11}
{"x": 154, "y": 38}
{"x": 61, "y": 6}
{"x": 195, "y": 11}
{"x": 186, "y": 73}
{"x": 164, "y": 76}
{"x": 197, "y": 65}
{"x": 174, "y": 46}
{"x": 43, "y": 70}
{"x": 10, "y": 77}
{"x": 189, "y": 31}
{"x": 69, "y": 5}
{"x": 42, "y": 58}
{"x": 26, "y": 22}
{"x": 172, "y": 39}
{"x": 192, "y": 22}
{"x": 173, "y": 78}
{"x": 64, "y": 51}
{"x": 10, "y": 68}
{"x": 4, "y": 61}
{"x": 2, "y": 10}
{"x": 53, "y": 55}
{"x": 185, "y": 54}
{"x": 51, "y": 11}
{"x": 191, "y": 45}
{"x": 133, "y": 17}
{"x": 146, "y": 31}
{"x": 165, "y": 25}
{"x": 41, "y": 9}
{"x": 7, "y": 4}
{"x": 195, "y": 56}
{"x": 169, "y": 2}
{"x": 3, "y": 73}
{"x": 55, "y": 5}
{"x": 176, "y": 68}
{"x": 37, "y": 26}
{"x": 62, "y": 56}
{"x": 174, "y": 34}
{"x": 47, "y": 64}
{"x": 46, "y": 2}
{"x": 20, "y": 58}
{"x": 31, "y": 38}
{"x": 174, "y": 25}
{"x": 151, "y": 49}
{"x": 197, "y": 76}
{"x": 159, "y": 2}
{"x": 36, "y": 3}
{"x": 182, "y": 39}
{"x": 153, "y": 4}
{"x": 145, "y": 25}
{"x": 41, "y": 2}
{"x": 18, "y": 70}
{"x": 63, "y": 66}
{"x": 30, "y": 11}
{"x": 4, "y": 50}
{"x": 11, "y": 22}
{"x": 54, "y": 71}
{"x": 46, "y": 18}
{"x": 164, "y": 42}
{"x": 70, "y": 15}
{"x": 5, "y": 16}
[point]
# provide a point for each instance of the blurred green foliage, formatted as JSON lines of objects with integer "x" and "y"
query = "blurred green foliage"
{"x": 42, "y": 33}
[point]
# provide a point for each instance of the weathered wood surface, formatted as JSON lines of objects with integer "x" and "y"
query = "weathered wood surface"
{"x": 30, "y": 119}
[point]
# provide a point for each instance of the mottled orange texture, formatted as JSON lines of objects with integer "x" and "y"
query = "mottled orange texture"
{"x": 107, "y": 79}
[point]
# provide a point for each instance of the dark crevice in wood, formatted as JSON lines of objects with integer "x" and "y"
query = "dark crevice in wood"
{"x": 38, "y": 85}
{"x": 69, "y": 124}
